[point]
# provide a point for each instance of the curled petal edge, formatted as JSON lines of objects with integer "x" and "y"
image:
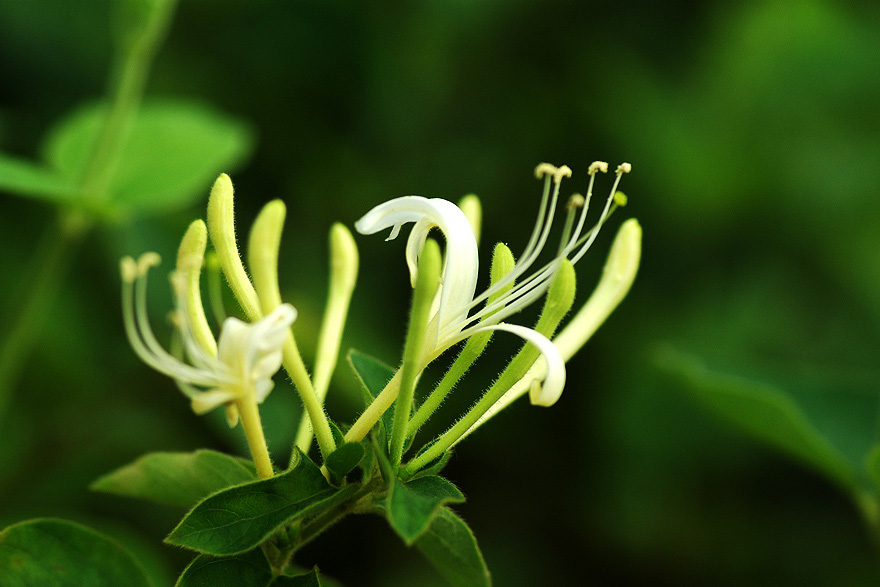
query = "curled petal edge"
{"x": 547, "y": 381}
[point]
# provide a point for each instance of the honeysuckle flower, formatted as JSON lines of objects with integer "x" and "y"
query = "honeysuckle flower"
{"x": 247, "y": 355}
{"x": 457, "y": 313}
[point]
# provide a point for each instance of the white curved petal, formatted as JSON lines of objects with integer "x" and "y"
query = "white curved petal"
{"x": 208, "y": 400}
{"x": 232, "y": 346}
{"x": 262, "y": 389}
{"x": 551, "y": 378}
{"x": 252, "y": 352}
{"x": 460, "y": 266}
{"x": 414, "y": 245}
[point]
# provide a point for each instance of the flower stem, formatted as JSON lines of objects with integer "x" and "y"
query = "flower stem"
{"x": 253, "y": 430}
{"x": 343, "y": 275}
{"x": 374, "y": 411}
{"x": 126, "y": 88}
{"x": 427, "y": 282}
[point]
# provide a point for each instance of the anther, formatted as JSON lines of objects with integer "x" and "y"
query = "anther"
{"x": 620, "y": 199}
{"x": 129, "y": 269}
{"x": 624, "y": 168}
{"x": 146, "y": 261}
{"x": 564, "y": 171}
{"x": 574, "y": 202}
{"x": 545, "y": 169}
{"x": 597, "y": 166}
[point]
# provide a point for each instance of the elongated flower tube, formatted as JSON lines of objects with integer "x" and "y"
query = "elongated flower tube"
{"x": 459, "y": 312}
{"x": 247, "y": 356}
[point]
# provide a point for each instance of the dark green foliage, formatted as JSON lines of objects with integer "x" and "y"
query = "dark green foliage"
{"x": 238, "y": 519}
{"x": 413, "y": 505}
{"x": 180, "y": 479}
{"x": 59, "y": 553}
{"x": 450, "y": 546}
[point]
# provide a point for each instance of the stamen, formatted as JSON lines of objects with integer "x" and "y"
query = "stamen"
{"x": 146, "y": 261}
{"x": 575, "y": 202}
{"x": 539, "y": 234}
{"x": 534, "y": 286}
{"x": 621, "y": 169}
{"x": 545, "y": 169}
{"x": 128, "y": 268}
{"x": 596, "y": 166}
{"x": 564, "y": 171}
{"x": 141, "y": 335}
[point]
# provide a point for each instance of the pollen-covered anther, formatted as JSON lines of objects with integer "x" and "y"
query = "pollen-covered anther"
{"x": 597, "y": 166}
{"x": 624, "y": 168}
{"x": 564, "y": 171}
{"x": 146, "y": 261}
{"x": 545, "y": 169}
{"x": 129, "y": 269}
{"x": 574, "y": 202}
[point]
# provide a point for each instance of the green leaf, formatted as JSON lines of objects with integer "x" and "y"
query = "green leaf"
{"x": 450, "y": 546}
{"x": 178, "y": 479}
{"x": 412, "y": 505}
{"x": 24, "y": 178}
{"x": 238, "y": 519}
{"x": 374, "y": 375}
{"x": 434, "y": 466}
{"x": 50, "y": 552}
{"x": 771, "y": 414}
{"x": 310, "y": 579}
{"x": 346, "y": 457}
{"x": 174, "y": 152}
{"x": 249, "y": 569}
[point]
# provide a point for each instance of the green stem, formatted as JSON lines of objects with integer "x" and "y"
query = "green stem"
{"x": 50, "y": 266}
{"x": 126, "y": 89}
{"x": 317, "y": 526}
{"x": 54, "y": 254}
{"x": 253, "y": 430}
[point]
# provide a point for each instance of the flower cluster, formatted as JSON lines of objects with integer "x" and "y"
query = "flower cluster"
{"x": 235, "y": 370}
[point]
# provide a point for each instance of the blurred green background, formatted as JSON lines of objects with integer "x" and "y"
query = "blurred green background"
{"x": 754, "y": 133}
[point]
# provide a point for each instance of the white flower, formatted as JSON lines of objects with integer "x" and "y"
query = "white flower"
{"x": 247, "y": 355}
{"x": 457, "y": 310}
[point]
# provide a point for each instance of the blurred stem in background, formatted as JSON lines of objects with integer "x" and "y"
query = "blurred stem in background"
{"x": 144, "y": 26}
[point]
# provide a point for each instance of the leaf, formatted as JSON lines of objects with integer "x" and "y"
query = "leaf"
{"x": 434, "y": 466}
{"x": 374, "y": 375}
{"x": 58, "y": 552}
{"x": 412, "y": 505}
{"x": 770, "y": 414}
{"x": 450, "y": 546}
{"x": 24, "y": 178}
{"x": 346, "y": 457}
{"x": 178, "y": 479}
{"x": 310, "y": 579}
{"x": 249, "y": 569}
{"x": 173, "y": 153}
{"x": 238, "y": 519}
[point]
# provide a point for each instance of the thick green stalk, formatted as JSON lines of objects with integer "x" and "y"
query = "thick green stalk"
{"x": 427, "y": 282}
{"x": 560, "y": 297}
{"x": 126, "y": 88}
